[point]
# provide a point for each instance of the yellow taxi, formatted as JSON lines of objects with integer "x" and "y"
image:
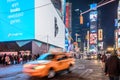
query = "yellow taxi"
{"x": 48, "y": 64}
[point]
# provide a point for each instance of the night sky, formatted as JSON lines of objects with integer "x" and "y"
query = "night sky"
{"x": 106, "y": 16}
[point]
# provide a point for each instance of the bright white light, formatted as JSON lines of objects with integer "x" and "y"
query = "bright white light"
{"x": 40, "y": 67}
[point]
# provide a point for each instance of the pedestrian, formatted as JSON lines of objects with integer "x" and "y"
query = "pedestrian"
{"x": 99, "y": 56}
{"x": 112, "y": 67}
{"x": 7, "y": 60}
{"x": 103, "y": 60}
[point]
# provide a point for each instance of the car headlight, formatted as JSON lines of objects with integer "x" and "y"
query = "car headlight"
{"x": 40, "y": 67}
{"x": 26, "y": 65}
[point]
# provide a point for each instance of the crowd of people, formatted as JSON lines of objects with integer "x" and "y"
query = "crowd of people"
{"x": 6, "y": 59}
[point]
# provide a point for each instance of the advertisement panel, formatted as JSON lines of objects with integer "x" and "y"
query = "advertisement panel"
{"x": 100, "y": 34}
{"x": 118, "y": 14}
{"x": 49, "y": 27}
{"x": 93, "y": 16}
{"x": 93, "y": 38}
{"x": 118, "y": 42}
{"x": 16, "y": 20}
{"x": 63, "y": 9}
{"x": 93, "y": 48}
{"x": 100, "y": 46}
{"x": 35, "y": 20}
{"x": 93, "y": 6}
{"x": 67, "y": 21}
{"x": 93, "y": 26}
{"x": 116, "y": 38}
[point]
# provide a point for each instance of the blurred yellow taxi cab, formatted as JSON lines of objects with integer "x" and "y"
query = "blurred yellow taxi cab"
{"x": 48, "y": 64}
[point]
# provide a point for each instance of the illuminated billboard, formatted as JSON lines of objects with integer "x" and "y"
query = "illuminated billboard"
{"x": 93, "y": 16}
{"x": 100, "y": 34}
{"x": 93, "y": 26}
{"x": 93, "y": 48}
{"x": 93, "y": 6}
{"x": 32, "y": 21}
{"x": 16, "y": 20}
{"x": 63, "y": 9}
{"x": 118, "y": 42}
{"x": 93, "y": 38}
{"x": 67, "y": 21}
{"x": 100, "y": 45}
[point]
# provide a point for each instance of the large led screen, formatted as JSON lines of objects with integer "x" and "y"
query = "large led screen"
{"x": 93, "y": 38}
{"x": 93, "y": 16}
{"x": 16, "y": 20}
{"x": 93, "y": 26}
{"x": 31, "y": 19}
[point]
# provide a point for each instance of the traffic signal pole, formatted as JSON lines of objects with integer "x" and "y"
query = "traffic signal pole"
{"x": 81, "y": 14}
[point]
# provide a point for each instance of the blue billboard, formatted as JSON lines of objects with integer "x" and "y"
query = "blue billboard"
{"x": 17, "y": 20}
{"x": 93, "y": 6}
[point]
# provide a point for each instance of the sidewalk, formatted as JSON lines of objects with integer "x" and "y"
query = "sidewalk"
{"x": 8, "y": 70}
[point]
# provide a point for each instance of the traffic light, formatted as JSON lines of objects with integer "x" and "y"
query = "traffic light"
{"x": 81, "y": 19}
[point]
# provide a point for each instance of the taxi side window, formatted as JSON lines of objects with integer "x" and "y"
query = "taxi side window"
{"x": 62, "y": 58}
{"x": 50, "y": 57}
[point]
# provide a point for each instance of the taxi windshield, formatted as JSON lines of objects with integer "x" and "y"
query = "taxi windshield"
{"x": 46, "y": 56}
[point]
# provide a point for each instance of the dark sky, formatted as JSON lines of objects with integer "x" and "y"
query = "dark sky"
{"x": 107, "y": 14}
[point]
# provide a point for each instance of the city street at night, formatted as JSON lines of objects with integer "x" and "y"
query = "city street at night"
{"x": 59, "y": 39}
{"x": 83, "y": 70}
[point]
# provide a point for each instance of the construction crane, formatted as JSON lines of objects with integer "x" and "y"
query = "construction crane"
{"x": 100, "y": 5}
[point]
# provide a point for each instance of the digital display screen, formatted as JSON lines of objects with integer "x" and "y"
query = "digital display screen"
{"x": 93, "y": 6}
{"x": 93, "y": 26}
{"x": 93, "y": 38}
{"x": 93, "y": 16}
{"x": 16, "y": 20}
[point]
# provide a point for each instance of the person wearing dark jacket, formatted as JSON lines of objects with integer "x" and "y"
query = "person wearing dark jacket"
{"x": 112, "y": 67}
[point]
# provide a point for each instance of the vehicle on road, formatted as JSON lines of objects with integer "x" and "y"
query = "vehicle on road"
{"x": 48, "y": 64}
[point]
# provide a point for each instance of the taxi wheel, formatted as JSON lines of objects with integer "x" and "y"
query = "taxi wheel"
{"x": 51, "y": 74}
{"x": 70, "y": 69}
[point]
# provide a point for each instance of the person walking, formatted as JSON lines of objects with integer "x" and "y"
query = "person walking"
{"x": 112, "y": 67}
{"x": 103, "y": 60}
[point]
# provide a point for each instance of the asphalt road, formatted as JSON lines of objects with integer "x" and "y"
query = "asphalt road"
{"x": 83, "y": 70}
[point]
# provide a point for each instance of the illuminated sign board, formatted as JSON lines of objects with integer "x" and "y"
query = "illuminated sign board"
{"x": 118, "y": 42}
{"x": 87, "y": 37}
{"x": 100, "y": 34}
{"x": 67, "y": 21}
{"x": 22, "y": 21}
{"x": 100, "y": 44}
{"x": 17, "y": 20}
{"x": 93, "y": 48}
{"x": 93, "y": 38}
{"x": 93, "y": 16}
{"x": 93, "y": 6}
{"x": 93, "y": 26}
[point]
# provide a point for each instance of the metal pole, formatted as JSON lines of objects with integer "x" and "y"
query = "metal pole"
{"x": 97, "y": 6}
{"x": 47, "y": 43}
